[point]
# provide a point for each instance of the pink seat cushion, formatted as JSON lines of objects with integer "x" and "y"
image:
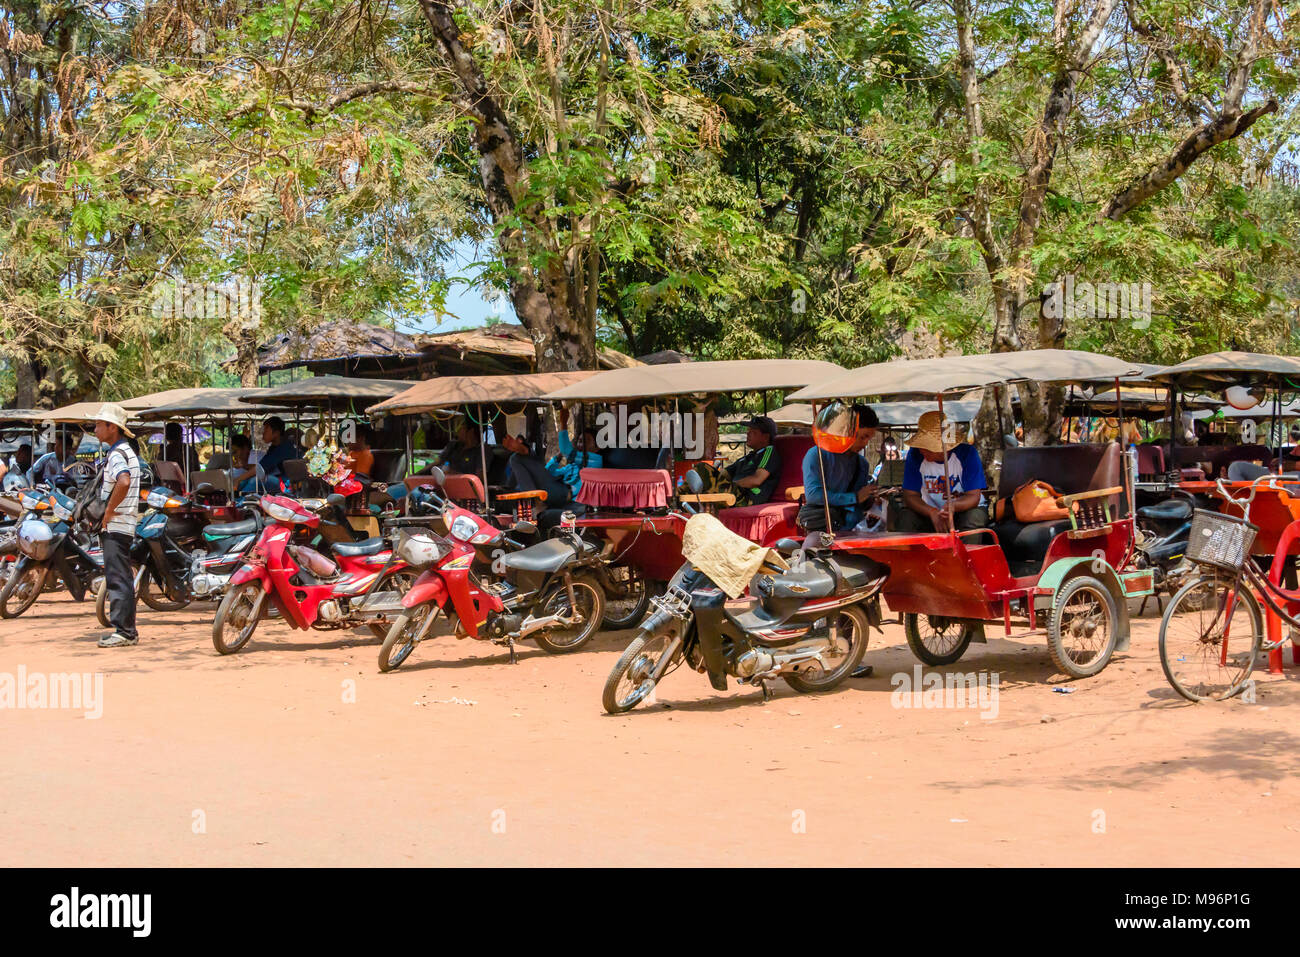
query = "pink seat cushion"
{"x": 755, "y": 521}
{"x": 625, "y": 488}
{"x": 792, "y": 449}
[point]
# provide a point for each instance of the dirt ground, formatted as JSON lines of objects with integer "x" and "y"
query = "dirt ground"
{"x": 297, "y": 751}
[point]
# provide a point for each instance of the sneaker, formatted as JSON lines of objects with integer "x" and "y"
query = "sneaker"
{"x": 116, "y": 640}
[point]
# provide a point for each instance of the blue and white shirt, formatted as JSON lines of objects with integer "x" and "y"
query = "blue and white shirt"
{"x": 122, "y": 460}
{"x": 965, "y": 474}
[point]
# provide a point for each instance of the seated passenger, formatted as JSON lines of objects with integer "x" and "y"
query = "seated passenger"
{"x": 462, "y": 454}
{"x": 360, "y": 459}
{"x": 559, "y": 477}
{"x": 241, "y": 481}
{"x": 924, "y": 498}
{"x": 849, "y": 486}
{"x": 756, "y": 472}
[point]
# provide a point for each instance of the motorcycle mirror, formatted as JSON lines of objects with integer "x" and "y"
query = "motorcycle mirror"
{"x": 694, "y": 482}
{"x": 526, "y": 527}
{"x": 438, "y": 476}
{"x": 337, "y": 500}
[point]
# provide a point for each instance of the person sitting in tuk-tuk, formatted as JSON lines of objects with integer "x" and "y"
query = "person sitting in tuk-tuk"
{"x": 752, "y": 478}
{"x": 849, "y": 486}
{"x": 462, "y": 454}
{"x": 924, "y": 499}
{"x": 560, "y": 476}
{"x": 245, "y": 477}
{"x": 360, "y": 459}
{"x": 52, "y": 464}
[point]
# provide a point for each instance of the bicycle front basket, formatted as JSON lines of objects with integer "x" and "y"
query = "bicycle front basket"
{"x": 1220, "y": 541}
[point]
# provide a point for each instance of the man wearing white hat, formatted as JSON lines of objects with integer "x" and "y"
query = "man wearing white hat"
{"x": 120, "y": 491}
{"x": 925, "y": 497}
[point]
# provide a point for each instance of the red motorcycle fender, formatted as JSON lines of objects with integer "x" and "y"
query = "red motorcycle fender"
{"x": 251, "y": 573}
{"x": 428, "y": 587}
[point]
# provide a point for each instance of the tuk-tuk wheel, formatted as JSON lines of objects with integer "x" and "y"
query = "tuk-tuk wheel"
{"x": 1082, "y": 627}
{"x": 937, "y": 640}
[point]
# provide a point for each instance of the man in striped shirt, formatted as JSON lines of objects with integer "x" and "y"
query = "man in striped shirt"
{"x": 120, "y": 491}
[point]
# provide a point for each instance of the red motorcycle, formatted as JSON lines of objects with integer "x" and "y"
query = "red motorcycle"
{"x": 550, "y": 591}
{"x": 308, "y": 589}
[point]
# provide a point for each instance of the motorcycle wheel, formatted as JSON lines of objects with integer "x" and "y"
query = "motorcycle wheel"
{"x": 401, "y": 638}
{"x": 853, "y": 620}
{"x": 626, "y": 610}
{"x": 22, "y": 589}
{"x": 237, "y": 617}
{"x": 942, "y": 640}
{"x": 154, "y": 595}
{"x": 632, "y": 678}
{"x": 591, "y": 605}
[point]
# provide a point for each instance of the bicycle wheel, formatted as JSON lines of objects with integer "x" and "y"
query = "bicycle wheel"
{"x": 1206, "y": 648}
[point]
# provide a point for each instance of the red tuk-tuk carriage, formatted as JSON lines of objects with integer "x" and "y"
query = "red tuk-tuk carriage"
{"x": 1068, "y": 579}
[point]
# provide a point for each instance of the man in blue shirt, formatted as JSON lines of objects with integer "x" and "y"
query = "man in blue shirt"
{"x": 848, "y": 486}
{"x": 278, "y": 450}
{"x": 924, "y": 495}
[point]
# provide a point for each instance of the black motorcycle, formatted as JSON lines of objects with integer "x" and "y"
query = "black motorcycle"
{"x": 51, "y": 541}
{"x": 809, "y": 625}
{"x": 177, "y": 558}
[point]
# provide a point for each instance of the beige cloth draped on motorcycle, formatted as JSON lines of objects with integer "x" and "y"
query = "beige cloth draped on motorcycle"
{"x": 728, "y": 559}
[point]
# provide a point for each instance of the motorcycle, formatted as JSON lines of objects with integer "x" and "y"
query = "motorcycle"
{"x": 50, "y": 540}
{"x": 550, "y": 592}
{"x": 176, "y": 563}
{"x": 1163, "y": 530}
{"x": 808, "y": 624}
{"x": 307, "y": 588}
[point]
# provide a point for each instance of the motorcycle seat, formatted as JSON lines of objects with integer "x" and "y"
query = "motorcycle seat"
{"x": 548, "y": 556}
{"x": 806, "y": 580}
{"x": 229, "y": 529}
{"x": 371, "y": 546}
{"x": 1173, "y": 510}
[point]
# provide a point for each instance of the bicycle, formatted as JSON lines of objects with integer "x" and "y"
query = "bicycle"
{"x": 1213, "y": 629}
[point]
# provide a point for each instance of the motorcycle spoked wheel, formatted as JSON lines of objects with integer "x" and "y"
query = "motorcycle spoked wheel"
{"x": 632, "y": 678}
{"x": 853, "y": 632}
{"x": 404, "y": 635}
{"x": 22, "y": 589}
{"x": 154, "y": 594}
{"x": 590, "y": 598}
{"x": 627, "y": 610}
{"x": 237, "y": 617}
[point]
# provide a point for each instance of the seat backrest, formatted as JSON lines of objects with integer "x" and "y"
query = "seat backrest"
{"x": 169, "y": 474}
{"x": 1067, "y": 468}
{"x": 389, "y": 467}
{"x": 622, "y": 458}
{"x": 295, "y": 470}
{"x": 1240, "y": 453}
{"x": 1187, "y": 456}
{"x": 218, "y": 460}
{"x": 1151, "y": 459}
{"x": 792, "y": 449}
{"x": 217, "y": 478}
{"x": 463, "y": 487}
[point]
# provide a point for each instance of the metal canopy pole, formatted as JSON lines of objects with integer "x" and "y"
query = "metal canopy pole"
{"x": 947, "y": 480}
{"x": 482, "y": 454}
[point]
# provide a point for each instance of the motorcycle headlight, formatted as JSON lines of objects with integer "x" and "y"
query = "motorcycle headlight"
{"x": 464, "y": 528}
{"x": 277, "y": 511}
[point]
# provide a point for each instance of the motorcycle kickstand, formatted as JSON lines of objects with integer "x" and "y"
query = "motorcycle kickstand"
{"x": 767, "y": 692}
{"x": 510, "y": 643}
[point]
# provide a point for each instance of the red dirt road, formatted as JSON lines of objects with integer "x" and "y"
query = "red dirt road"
{"x": 298, "y": 752}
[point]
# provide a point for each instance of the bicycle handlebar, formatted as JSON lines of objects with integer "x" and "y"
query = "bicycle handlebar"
{"x": 1245, "y": 503}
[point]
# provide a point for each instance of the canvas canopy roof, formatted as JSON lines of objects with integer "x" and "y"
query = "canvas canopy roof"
{"x": 22, "y": 415}
{"x": 214, "y": 402}
{"x": 688, "y": 378}
{"x": 331, "y": 390}
{"x": 1215, "y": 370}
{"x": 928, "y": 377}
{"x": 451, "y": 391}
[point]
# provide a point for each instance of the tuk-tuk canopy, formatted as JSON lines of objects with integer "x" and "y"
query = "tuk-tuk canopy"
{"x": 691, "y": 378}
{"x": 452, "y": 391}
{"x": 932, "y": 377}
{"x": 215, "y": 403}
{"x": 1217, "y": 370}
{"x": 22, "y": 415}
{"x": 329, "y": 390}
